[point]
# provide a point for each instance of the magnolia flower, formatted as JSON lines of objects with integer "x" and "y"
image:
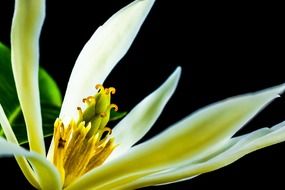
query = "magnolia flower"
{"x": 85, "y": 153}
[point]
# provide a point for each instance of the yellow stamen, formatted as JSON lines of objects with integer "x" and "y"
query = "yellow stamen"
{"x": 116, "y": 108}
{"x": 112, "y": 90}
{"x": 84, "y": 144}
{"x": 99, "y": 87}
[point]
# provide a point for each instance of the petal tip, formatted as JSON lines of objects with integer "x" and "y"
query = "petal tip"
{"x": 177, "y": 72}
{"x": 281, "y": 89}
{"x": 273, "y": 92}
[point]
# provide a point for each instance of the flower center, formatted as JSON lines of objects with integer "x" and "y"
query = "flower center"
{"x": 84, "y": 143}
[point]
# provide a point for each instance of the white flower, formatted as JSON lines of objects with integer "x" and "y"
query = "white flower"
{"x": 200, "y": 143}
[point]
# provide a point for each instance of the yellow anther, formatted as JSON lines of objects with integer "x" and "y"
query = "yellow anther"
{"x": 76, "y": 152}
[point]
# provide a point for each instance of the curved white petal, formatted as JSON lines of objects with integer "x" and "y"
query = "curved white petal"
{"x": 49, "y": 178}
{"x": 22, "y": 162}
{"x": 199, "y": 135}
{"x": 102, "y": 52}
{"x": 239, "y": 147}
{"x": 141, "y": 118}
{"x": 27, "y": 22}
{"x": 180, "y": 172}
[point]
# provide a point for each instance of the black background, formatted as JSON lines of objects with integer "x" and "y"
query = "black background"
{"x": 224, "y": 49}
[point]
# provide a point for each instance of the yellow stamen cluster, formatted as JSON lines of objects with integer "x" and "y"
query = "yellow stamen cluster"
{"x": 84, "y": 144}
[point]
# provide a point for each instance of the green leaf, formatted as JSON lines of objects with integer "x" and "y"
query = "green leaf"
{"x": 49, "y": 112}
{"x": 49, "y": 90}
{"x": 8, "y": 94}
{"x": 49, "y": 93}
{"x": 114, "y": 115}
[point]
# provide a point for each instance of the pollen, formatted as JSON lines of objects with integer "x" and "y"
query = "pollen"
{"x": 85, "y": 143}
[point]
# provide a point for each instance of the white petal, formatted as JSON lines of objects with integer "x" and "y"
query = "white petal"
{"x": 141, "y": 118}
{"x": 102, "y": 52}
{"x": 199, "y": 135}
{"x": 48, "y": 175}
{"x": 180, "y": 172}
{"x": 241, "y": 146}
{"x": 27, "y": 22}
{"x": 22, "y": 162}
